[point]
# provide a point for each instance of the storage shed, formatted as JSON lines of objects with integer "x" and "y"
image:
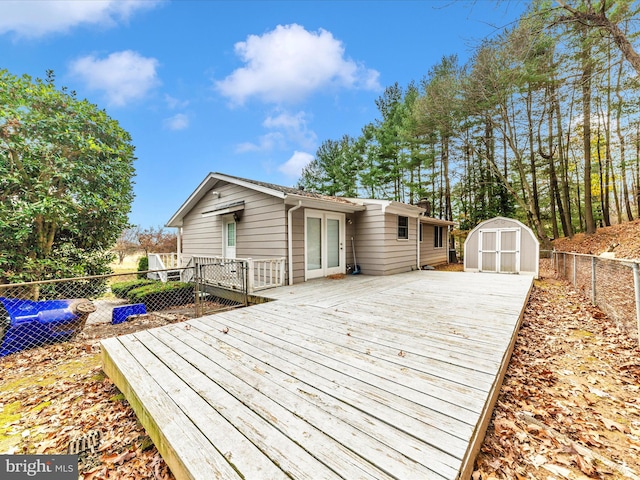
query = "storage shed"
{"x": 502, "y": 245}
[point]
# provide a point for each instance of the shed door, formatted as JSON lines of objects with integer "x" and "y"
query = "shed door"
{"x": 499, "y": 250}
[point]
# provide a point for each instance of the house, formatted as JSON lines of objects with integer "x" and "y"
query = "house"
{"x": 314, "y": 235}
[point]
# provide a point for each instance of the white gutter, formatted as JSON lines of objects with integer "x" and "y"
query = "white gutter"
{"x": 290, "y": 239}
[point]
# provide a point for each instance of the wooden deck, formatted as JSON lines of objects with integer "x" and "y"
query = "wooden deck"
{"x": 361, "y": 378}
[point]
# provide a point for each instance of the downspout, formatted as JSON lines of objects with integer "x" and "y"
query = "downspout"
{"x": 290, "y": 239}
{"x": 448, "y": 244}
{"x": 179, "y": 247}
{"x": 418, "y": 244}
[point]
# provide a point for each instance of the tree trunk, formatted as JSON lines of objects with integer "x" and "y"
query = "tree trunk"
{"x": 554, "y": 194}
{"x": 587, "y": 69}
{"x": 447, "y": 182}
{"x": 621, "y": 140}
{"x": 567, "y": 225}
{"x": 611, "y": 174}
{"x": 532, "y": 155}
{"x": 602, "y": 176}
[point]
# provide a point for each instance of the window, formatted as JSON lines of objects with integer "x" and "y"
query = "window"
{"x": 421, "y": 231}
{"x": 403, "y": 228}
{"x": 437, "y": 237}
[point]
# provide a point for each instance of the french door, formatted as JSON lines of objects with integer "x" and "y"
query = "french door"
{"x": 324, "y": 243}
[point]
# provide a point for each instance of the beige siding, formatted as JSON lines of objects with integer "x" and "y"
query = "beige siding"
{"x": 378, "y": 249}
{"x": 400, "y": 255}
{"x": 369, "y": 240}
{"x": 430, "y": 255}
{"x": 298, "y": 245}
{"x": 261, "y": 232}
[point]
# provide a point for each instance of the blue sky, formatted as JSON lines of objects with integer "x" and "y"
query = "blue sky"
{"x": 247, "y": 88}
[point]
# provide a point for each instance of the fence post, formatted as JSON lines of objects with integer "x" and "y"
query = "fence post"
{"x": 593, "y": 280}
{"x": 636, "y": 284}
{"x": 245, "y": 287}
{"x": 250, "y": 275}
{"x": 196, "y": 275}
{"x": 575, "y": 267}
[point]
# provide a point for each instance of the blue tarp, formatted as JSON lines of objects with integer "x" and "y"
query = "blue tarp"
{"x": 27, "y": 324}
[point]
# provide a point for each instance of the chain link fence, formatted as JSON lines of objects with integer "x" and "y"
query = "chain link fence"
{"x": 39, "y": 313}
{"x": 611, "y": 284}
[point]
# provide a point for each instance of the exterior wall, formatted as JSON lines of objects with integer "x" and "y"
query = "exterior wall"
{"x": 378, "y": 249}
{"x": 430, "y": 255}
{"x": 529, "y": 246}
{"x": 369, "y": 239}
{"x": 529, "y": 253}
{"x": 298, "y": 245}
{"x": 260, "y": 233}
{"x": 471, "y": 250}
{"x": 400, "y": 255}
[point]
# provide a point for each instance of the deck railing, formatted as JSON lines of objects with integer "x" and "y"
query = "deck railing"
{"x": 262, "y": 273}
{"x": 266, "y": 273}
{"x": 160, "y": 263}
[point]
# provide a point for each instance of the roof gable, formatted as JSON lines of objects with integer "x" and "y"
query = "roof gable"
{"x": 290, "y": 196}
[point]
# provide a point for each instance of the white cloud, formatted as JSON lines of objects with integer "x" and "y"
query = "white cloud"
{"x": 123, "y": 76}
{"x": 179, "y": 121}
{"x": 289, "y": 63}
{"x": 286, "y": 129}
{"x": 266, "y": 143}
{"x": 174, "y": 103}
{"x": 294, "y": 128}
{"x": 293, "y": 167}
{"x": 29, "y": 18}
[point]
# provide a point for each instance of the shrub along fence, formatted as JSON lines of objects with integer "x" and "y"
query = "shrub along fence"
{"x": 612, "y": 284}
{"x": 40, "y": 313}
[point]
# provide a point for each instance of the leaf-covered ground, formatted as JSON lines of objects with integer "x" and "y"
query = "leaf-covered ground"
{"x": 51, "y": 397}
{"x": 622, "y": 239}
{"x": 569, "y": 407}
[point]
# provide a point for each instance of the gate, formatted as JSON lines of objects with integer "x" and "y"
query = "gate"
{"x": 220, "y": 285}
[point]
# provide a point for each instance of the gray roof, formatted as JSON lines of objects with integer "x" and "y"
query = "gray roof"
{"x": 289, "y": 190}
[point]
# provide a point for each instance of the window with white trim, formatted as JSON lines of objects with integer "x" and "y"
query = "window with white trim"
{"x": 437, "y": 236}
{"x": 403, "y": 228}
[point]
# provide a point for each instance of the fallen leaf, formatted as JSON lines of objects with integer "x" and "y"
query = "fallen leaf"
{"x": 610, "y": 424}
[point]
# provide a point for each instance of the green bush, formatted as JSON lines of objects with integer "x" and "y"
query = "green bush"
{"x": 143, "y": 266}
{"x": 157, "y": 295}
{"x": 122, "y": 289}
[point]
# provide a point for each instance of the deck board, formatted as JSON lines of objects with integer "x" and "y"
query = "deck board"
{"x": 364, "y": 377}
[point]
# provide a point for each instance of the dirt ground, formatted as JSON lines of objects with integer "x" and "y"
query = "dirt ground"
{"x": 569, "y": 407}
